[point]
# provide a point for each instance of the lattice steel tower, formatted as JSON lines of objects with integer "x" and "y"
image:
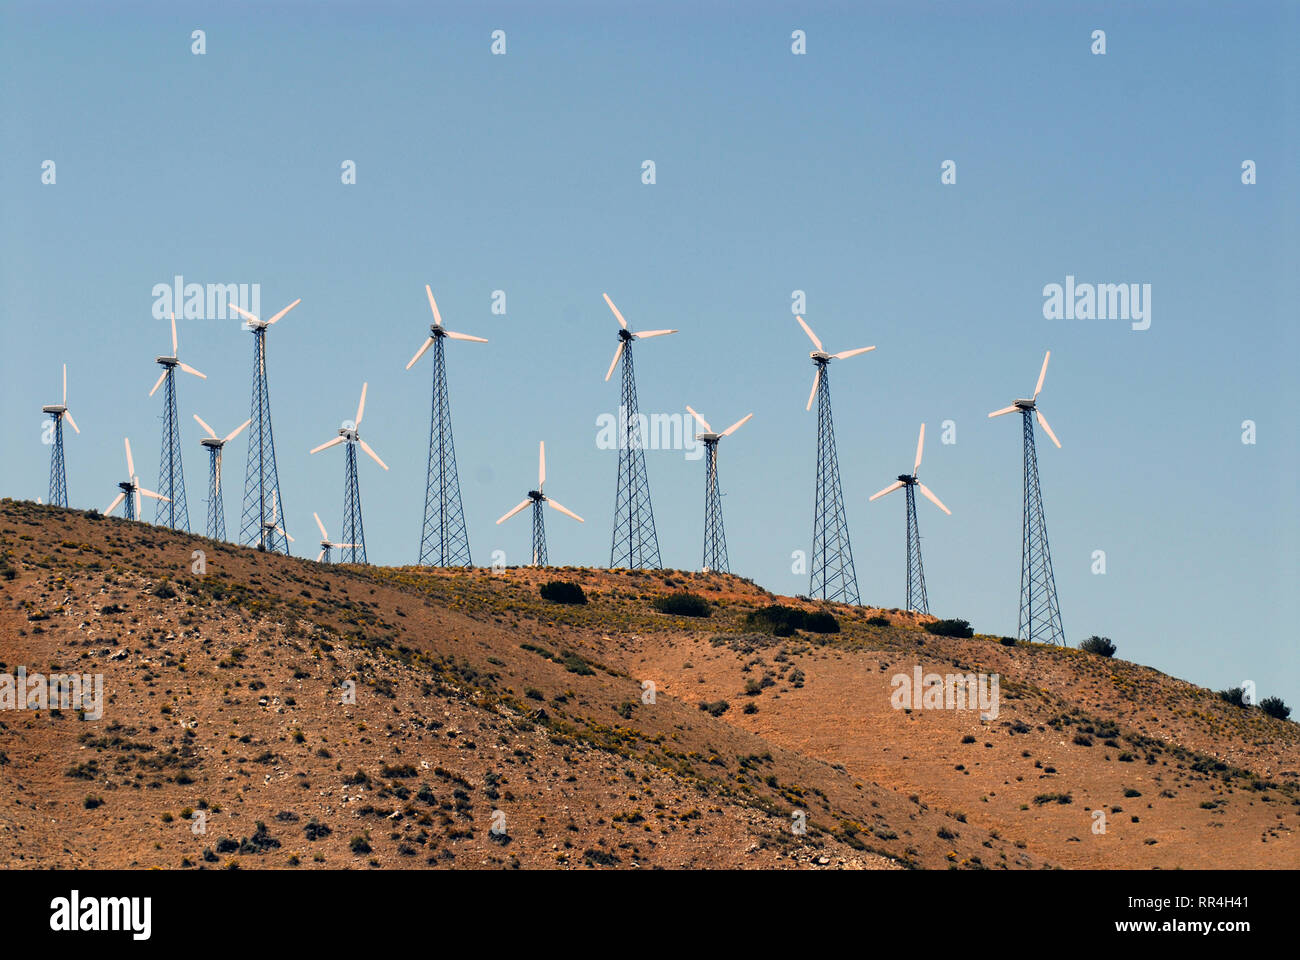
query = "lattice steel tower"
{"x": 715, "y": 537}
{"x": 635, "y": 543}
{"x": 1040, "y": 614}
{"x": 58, "y": 412}
{"x": 832, "y": 576}
{"x": 261, "y": 478}
{"x": 354, "y": 531}
{"x": 353, "y": 546}
{"x": 444, "y": 540}
{"x": 172, "y": 512}
{"x": 916, "y": 595}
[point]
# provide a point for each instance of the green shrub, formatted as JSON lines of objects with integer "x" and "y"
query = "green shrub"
{"x": 783, "y": 621}
{"x": 1274, "y": 707}
{"x": 560, "y": 591}
{"x": 950, "y": 628}
{"x": 1102, "y": 646}
{"x": 1007, "y": 641}
{"x": 776, "y": 619}
{"x": 717, "y": 708}
{"x": 877, "y": 621}
{"x": 1235, "y": 696}
{"x": 819, "y": 621}
{"x": 683, "y": 605}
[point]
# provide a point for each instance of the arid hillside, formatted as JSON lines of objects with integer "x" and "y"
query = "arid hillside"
{"x": 264, "y": 711}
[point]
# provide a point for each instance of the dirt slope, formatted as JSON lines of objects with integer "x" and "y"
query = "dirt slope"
{"x": 478, "y": 704}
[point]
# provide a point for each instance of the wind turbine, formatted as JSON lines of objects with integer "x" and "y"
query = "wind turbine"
{"x": 216, "y": 528}
{"x": 833, "y": 576}
{"x": 326, "y": 545}
{"x": 444, "y": 541}
{"x": 58, "y": 474}
{"x": 536, "y": 498}
{"x": 1040, "y": 614}
{"x": 715, "y": 537}
{"x": 261, "y": 478}
{"x": 353, "y": 529}
{"x": 131, "y": 489}
{"x": 916, "y": 596}
{"x": 172, "y": 511}
{"x": 635, "y": 542}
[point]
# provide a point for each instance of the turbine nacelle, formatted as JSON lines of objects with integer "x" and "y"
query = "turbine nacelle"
{"x": 1030, "y": 405}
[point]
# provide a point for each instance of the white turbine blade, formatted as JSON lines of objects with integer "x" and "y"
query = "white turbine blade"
{"x": 621, "y": 322}
{"x": 419, "y": 353}
{"x": 320, "y": 556}
{"x": 237, "y": 431}
{"x": 464, "y": 336}
{"x": 206, "y": 429}
{"x": 929, "y": 494}
{"x": 845, "y": 354}
{"x": 161, "y": 377}
{"x": 889, "y": 489}
{"x": 175, "y": 344}
{"x": 344, "y": 546}
{"x": 373, "y": 456}
{"x": 737, "y": 425}
{"x": 284, "y": 533}
{"x": 138, "y": 511}
{"x": 130, "y": 461}
{"x": 614, "y": 363}
{"x": 541, "y": 464}
{"x": 242, "y": 312}
{"x": 515, "y": 510}
{"x": 72, "y": 423}
{"x": 323, "y": 534}
{"x": 703, "y": 423}
{"x": 327, "y": 444}
{"x": 281, "y": 314}
{"x": 811, "y": 336}
{"x": 113, "y": 506}
{"x": 564, "y": 510}
{"x": 361, "y": 407}
{"x": 1043, "y": 420}
{"x": 65, "y": 384}
{"x": 647, "y": 334}
{"x": 218, "y": 477}
{"x": 433, "y": 305}
{"x": 817, "y": 379}
{"x": 920, "y": 445}
{"x": 1011, "y": 409}
{"x": 188, "y": 369}
{"x": 1042, "y": 374}
{"x": 141, "y": 491}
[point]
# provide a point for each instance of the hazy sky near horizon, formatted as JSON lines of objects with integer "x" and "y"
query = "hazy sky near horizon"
{"x": 775, "y": 173}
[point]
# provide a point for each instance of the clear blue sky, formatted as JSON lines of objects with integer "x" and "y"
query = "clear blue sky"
{"x": 775, "y": 173}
